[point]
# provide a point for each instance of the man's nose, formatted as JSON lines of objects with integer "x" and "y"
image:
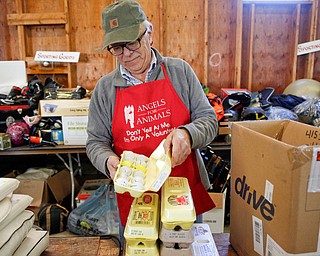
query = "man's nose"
{"x": 126, "y": 51}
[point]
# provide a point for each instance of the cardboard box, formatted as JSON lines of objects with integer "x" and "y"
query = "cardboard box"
{"x": 52, "y": 190}
{"x": 88, "y": 188}
{"x": 215, "y": 217}
{"x": 74, "y": 130}
{"x": 224, "y": 128}
{"x": 273, "y": 210}
{"x": 63, "y": 107}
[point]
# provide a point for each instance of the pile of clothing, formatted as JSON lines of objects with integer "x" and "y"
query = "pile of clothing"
{"x": 299, "y": 103}
{"x": 20, "y": 102}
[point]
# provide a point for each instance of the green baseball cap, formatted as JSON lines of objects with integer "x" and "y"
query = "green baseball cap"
{"x": 121, "y": 22}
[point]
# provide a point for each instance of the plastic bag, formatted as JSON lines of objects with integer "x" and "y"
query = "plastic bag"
{"x": 97, "y": 215}
{"x": 307, "y": 110}
{"x": 281, "y": 113}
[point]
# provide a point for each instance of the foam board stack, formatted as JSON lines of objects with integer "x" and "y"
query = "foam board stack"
{"x": 177, "y": 218}
{"x": 17, "y": 235}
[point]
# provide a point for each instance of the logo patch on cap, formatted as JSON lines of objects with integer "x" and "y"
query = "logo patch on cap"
{"x": 114, "y": 23}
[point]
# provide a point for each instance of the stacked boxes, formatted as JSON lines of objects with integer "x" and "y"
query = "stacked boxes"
{"x": 178, "y": 235}
{"x": 74, "y": 117}
{"x": 138, "y": 174}
{"x": 177, "y": 218}
{"x": 142, "y": 229}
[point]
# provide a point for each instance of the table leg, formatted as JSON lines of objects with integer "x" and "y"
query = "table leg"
{"x": 72, "y": 180}
{"x": 69, "y": 166}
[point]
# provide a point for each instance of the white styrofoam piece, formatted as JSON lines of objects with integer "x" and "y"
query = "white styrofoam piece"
{"x": 12, "y": 73}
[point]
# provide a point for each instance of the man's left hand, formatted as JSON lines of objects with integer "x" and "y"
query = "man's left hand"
{"x": 179, "y": 142}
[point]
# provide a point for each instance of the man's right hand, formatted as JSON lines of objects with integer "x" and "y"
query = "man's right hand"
{"x": 112, "y": 165}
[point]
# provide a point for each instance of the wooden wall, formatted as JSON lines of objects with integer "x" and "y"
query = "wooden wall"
{"x": 270, "y": 35}
{"x": 229, "y": 43}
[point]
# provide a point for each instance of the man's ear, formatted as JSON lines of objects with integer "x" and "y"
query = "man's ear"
{"x": 150, "y": 29}
{"x": 150, "y": 32}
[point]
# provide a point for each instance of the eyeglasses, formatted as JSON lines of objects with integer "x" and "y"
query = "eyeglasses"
{"x": 131, "y": 46}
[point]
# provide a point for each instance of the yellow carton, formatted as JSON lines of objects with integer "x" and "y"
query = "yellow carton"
{"x": 142, "y": 229}
{"x": 177, "y": 208}
{"x": 137, "y": 173}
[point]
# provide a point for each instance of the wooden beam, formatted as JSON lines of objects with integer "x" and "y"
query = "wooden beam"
{"x": 296, "y": 42}
{"x": 206, "y": 42}
{"x": 237, "y": 77}
{"x": 21, "y": 33}
{"x": 250, "y": 65}
{"x": 57, "y": 71}
{"x": 37, "y": 18}
{"x": 277, "y": 2}
{"x": 68, "y": 43}
{"x": 313, "y": 34}
{"x": 161, "y": 30}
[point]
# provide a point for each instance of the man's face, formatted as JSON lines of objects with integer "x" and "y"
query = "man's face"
{"x": 138, "y": 61}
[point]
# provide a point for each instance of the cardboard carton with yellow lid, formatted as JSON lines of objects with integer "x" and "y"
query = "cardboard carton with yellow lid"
{"x": 137, "y": 173}
{"x": 177, "y": 208}
{"x": 142, "y": 229}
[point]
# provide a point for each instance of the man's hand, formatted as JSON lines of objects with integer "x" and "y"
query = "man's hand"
{"x": 112, "y": 165}
{"x": 179, "y": 142}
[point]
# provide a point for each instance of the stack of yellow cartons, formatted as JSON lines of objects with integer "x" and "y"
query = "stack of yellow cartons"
{"x": 177, "y": 217}
{"x": 142, "y": 229}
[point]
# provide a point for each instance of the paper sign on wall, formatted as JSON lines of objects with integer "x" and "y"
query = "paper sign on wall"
{"x": 308, "y": 47}
{"x": 57, "y": 56}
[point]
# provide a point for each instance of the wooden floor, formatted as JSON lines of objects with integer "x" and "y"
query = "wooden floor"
{"x": 93, "y": 246}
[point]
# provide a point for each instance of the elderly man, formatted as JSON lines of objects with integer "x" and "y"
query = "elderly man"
{"x": 146, "y": 99}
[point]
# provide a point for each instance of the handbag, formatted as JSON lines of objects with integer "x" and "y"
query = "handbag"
{"x": 53, "y": 218}
{"x": 97, "y": 215}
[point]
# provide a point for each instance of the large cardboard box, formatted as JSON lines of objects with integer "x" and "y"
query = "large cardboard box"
{"x": 64, "y": 107}
{"x": 215, "y": 217}
{"x": 52, "y": 190}
{"x": 74, "y": 130}
{"x": 274, "y": 211}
